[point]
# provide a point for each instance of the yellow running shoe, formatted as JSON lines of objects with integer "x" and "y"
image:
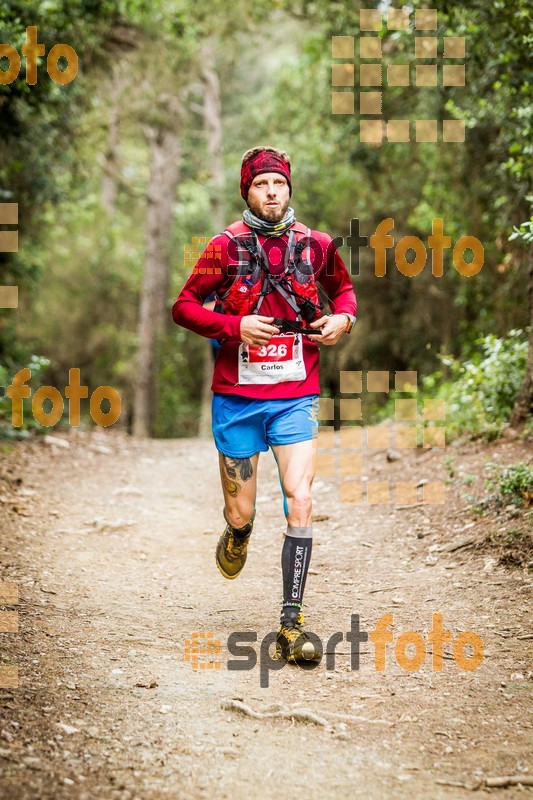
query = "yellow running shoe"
{"x": 231, "y": 552}
{"x": 293, "y": 644}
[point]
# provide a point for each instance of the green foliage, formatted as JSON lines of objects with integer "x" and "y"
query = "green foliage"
{"x": 37, "y": 127}
{"x": 37, "y": 365}
{"x": 523, "y": 233}
{"x": 179, "y": 385}
{"x": 479, "y": 389}
{"x": 511, "y": 498}
{"x": 514, "y": 484}
{"x": 482, "y": 390}
{"x": 85, "y": 313}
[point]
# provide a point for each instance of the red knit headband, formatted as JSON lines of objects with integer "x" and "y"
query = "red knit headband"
{"x": 264, "y": 161}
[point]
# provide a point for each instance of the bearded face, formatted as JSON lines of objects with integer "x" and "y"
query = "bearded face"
{"x": 269, "y": 196}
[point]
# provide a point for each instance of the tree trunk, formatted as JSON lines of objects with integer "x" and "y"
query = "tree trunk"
{"x": 213, "y": 133}
{"x": 154, "y": 315}
{"x": 524, "y": 402}
{"x": 111, "y": 162}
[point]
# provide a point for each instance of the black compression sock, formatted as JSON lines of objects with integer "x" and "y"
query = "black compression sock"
{"x": 295, "y": 558}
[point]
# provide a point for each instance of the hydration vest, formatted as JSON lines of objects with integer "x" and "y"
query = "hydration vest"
{"x": 253, "y": 279}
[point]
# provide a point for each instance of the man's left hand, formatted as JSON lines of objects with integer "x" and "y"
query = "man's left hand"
{"x": 332, "y": 329}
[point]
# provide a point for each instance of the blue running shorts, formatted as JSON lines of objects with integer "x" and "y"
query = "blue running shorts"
{"x": 243, "y": 426}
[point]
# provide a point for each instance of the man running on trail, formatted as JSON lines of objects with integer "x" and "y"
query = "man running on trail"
{"x": 262, "y": 271}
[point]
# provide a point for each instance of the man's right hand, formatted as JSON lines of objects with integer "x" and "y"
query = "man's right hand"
{"x": 257, "y": 330}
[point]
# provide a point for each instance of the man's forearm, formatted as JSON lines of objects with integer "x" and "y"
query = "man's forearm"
{"x": 337, "y": 283}
{"x": 190, "y": 313}
{"x": 343, "y": 300}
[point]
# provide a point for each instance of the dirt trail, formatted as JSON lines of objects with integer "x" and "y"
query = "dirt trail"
{"x": 111, "y": 542}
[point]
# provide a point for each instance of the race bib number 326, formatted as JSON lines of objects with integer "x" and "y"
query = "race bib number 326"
{"x": 279, "y": 360}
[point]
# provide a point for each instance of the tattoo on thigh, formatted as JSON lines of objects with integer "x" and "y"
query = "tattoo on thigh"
{"x": 236, "y": 469}
{"x": 232, "y": 487}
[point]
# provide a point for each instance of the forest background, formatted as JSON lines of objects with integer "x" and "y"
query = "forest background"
{"x": 116, "y": 173}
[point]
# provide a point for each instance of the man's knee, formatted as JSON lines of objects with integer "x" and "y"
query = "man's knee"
{"x": 300, "y": 500}
{"x": 239, "y": 514}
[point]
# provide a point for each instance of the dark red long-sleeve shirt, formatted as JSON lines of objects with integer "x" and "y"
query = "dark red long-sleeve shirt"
{"x": 211, "y": 272}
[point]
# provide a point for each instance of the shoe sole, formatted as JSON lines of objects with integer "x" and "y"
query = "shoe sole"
{"x": 225, "y": 574}
{"x": 291, "y": 659}
{"x": 303, "y": 659}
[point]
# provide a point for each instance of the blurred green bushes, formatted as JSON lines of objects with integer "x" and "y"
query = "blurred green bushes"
{"x": 479, "y": 390}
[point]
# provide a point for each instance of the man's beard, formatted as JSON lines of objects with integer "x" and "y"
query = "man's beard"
{"x": 270, "y": 214}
